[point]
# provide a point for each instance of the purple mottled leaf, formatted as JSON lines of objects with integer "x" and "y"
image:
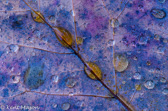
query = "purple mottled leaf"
{"x": 38, "y": 73}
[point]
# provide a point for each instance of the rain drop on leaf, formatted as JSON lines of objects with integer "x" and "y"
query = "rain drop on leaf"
{"x": 95, "y": 69}
{"x": 120, "y": 62}
{"x": 36, "y": 17}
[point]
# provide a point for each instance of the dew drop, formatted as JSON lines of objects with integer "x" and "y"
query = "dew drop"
{"x": 36, "y": 17}
{"x": 95, "y": 69}
{"x": 137, "y": 76}
{"x": 70, "y": 83}
{"x": 120, "y": 62}
{"x": 5, "y": 2}
{"x": 149, "y": 84}
{"x": 165, "y": 91}
{"x": 15, "y": 79}
{"x": 64, "y": 36}
{"x": 157, "y": 13}
{"x": 71, "y": 93}
{"x": 65, "y": 106}
{"x": 114, "y": 23}
{"x": 143, "y": 40}
{"x": 161, "y": 49}
{"x": 54, "y": 105}
{"x": 123, "y": 82}
{"x": 163, "y": 80}
{"x": 52, "y": 18}
{"x": 157, "y": 37}
{"x": 31, "y": 39}
{"x": 110, "y": 43}
{"x": 55, "y": 78}
{"x": 161, "y": 1}
{"x": 14, "y": 48}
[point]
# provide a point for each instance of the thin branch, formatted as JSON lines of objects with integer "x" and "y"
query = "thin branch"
{"x": 35, "y": 48}
{"x": 119, "y": 98}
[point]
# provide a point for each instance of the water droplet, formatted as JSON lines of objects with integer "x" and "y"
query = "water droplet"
{"x": 0, "y": 29}
{"x": 138, "y": 87}
{"x": 123, "y": 82}
{"x": 70, "y": 83}
{"x": 79, "y": 40}
{"x": 135, "y": 58}
{"x": 161, "y": 49}
{"x": 71, "y": 93}
{"x": 36, "y": 17}
{"x": 149, "y": 84}
{"x": 148, "y": 63}
{"x": 110, "y": 43}
{"x": 95, "y": 69}
{"x": 64, "y": 36}
{"x": 158, "y": 13}
{"x": 65, "y": 106}
{"x": 14, "y": 48}
{"x": 54, "y": 105}
{"x": 161, "y": 1}
{"x": 163, "y": 80}
{"x": 15, "y": 79}
{"x": 120, "y": 62}
{"x": 52, "y": 18}
{"x": 137, "y": 76}
{"x": 5, "y": 2}
{"x": 80, "y": 103}
{"x": 31, "y": 39}
{"x": 45, "y": 39}
{"x": 143, "y": 40}
{"x": 165, "y": 91}
{"x": 157, "y": 37}
{"x": 73, "y": 13}
{"x": 114, "y": 23}
{"x": 55, "y": 78}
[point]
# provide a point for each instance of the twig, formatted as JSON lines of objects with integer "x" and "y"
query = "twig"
{"x": 124, "y": 103}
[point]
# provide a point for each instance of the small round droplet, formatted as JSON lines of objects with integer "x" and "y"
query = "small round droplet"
{"x": 148, "y": 63}
{"x": 143, "y": 40}
{"x": 157, "y": 37}
{"x": 36, "y": 17}
{"x": 54, "y": 105}
{"x": 15, "y": 79}
{"x": 14, "y": 48}
{"x": 79, "y": 40}
{"x": 149, "y": 84}
{"x": 123, "y": 82}
{"x": 165, "y": 91}
{"x": 158, "y": 13}
{"x": 55, "y": 78}
{"x": 137, "y": 76}
{"x": 64, "y": 36}
{"x": 95, "y": 69}
{"x": 70, "y": 83}
{"x": 120, "y": 62}
{"x": 138, "y": 87}
{"x": 161, "y": 1}
{"x": 65, "y": 106}
{"x": 114, "y": 23}
{"x": 52, "y": 18}
{"x": 161, "y": 49}
{"x": 163, "y": 80}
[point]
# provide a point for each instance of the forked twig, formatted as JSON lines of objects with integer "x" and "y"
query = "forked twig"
{"x": 119, "y": 98}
